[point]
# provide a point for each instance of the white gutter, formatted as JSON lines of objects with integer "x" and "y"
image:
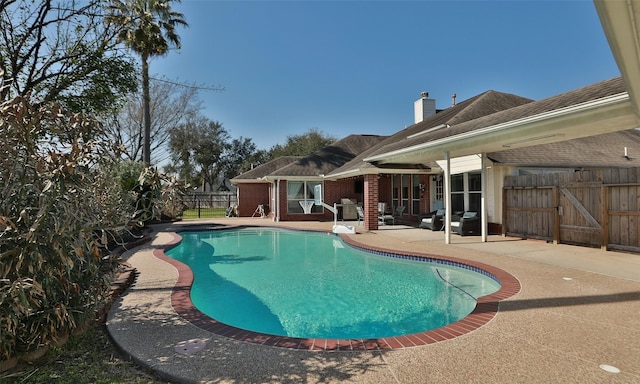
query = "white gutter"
{"x": 621, "y": 26}
{"x": 428, "y": 130}
{"x": 293, "y": 178}
{"x": 557, "y": 113}
{"x": 353, "y": 172}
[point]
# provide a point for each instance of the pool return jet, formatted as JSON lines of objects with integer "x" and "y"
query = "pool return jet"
{"x": 337, "y": 228}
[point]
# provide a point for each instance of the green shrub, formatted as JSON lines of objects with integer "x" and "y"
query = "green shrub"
{"x": 151, "y": 195}
{"x": 161, "y": 197}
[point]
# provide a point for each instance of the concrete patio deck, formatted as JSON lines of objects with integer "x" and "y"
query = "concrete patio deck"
{"x": 578, "y": 309}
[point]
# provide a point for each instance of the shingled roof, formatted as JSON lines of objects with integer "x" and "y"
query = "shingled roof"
{"x": 582, "y": 95}
{"x": 258, "y": 173}
{"x": 600, "y": 151}
{"x": 483, "y": 104}
{"x": 328, "y": 158}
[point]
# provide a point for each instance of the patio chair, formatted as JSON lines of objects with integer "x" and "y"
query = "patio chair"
{"x": 383, "y": 218}
{"x": 360, "y": 214}
{"x": 383, "y": 209}
{"x": 433, "y": 221}
{"x": 260, "y": 211}
{"x": 468, "y": 224}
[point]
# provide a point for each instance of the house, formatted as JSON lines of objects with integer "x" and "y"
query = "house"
{"x": 461, "y": 150}
{"x": 458, "y": 157}
{"x": 410, "y": 167}
{"x": 287, "y": 185}
{"x": 341, "y": 171}
{"x": 255, "y": 189}
{"x": 417, "y": 185}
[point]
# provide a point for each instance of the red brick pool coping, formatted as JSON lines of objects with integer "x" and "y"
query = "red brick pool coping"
{"x": 485, "y": 310}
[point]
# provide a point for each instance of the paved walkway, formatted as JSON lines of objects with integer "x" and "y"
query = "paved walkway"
{"x": 577, "y": 312}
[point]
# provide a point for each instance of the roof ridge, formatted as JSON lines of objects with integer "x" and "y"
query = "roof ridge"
{"x": 482, "y": 100}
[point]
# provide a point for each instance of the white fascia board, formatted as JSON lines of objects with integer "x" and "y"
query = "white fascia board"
{"x": 294, "y": 178}
{"x": 345, "y": 174}
{"x": 573, "y": 111}
{"x": 249, "y": 181}
{"x": 375, "y": 171}
{"x": 428, "y": 130}
{"x": 621, "y": 25}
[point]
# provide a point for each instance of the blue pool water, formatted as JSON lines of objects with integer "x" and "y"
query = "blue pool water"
{"x": 312, "y": 285}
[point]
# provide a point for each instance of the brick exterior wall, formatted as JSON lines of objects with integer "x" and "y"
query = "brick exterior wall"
{"x": 370, "y": 188}
{"x": 250, "y": 195}
{"x": 371, "y": 196}
{"x": 373, "y": 188}
{"x": 333, "y": 192}
{"x": 384, "y": 189}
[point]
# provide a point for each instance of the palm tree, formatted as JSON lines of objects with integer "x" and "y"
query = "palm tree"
{"x": 147, "y": 27}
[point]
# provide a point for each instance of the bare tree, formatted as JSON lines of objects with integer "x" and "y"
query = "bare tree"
{"x": 171, "y": 105}
{"x": 62, "y": 51}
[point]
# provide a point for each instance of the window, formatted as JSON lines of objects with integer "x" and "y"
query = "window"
{"x": 298, "y": 191}
{"x": 438, "y": 192}
{"x": 415, "y": 196}
{"x": 359, "y": 186}
{"x": 457, "y": 192}
{"x": 439, "y": 188}
{"x": 405, "y": 192}
{"x": 395, "y": 190}
{"x": 475, "y": 192}
{"x": 466, "y": 192}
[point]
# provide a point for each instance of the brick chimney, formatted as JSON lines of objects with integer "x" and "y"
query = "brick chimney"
{"x": 424, "y": 107}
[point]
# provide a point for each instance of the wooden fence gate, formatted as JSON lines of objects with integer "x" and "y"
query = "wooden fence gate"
{"x": 592, "y": 208}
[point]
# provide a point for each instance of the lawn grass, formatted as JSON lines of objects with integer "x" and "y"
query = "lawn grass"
{"x": 90, "y": 357}
{"x": 205, "y": 213}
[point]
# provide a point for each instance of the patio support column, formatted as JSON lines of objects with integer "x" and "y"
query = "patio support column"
{"x": 447, "y": 198}
{"x": 483, "y": 192}
{"x": 370, "y": 202}
{"x": 277, "y": 187}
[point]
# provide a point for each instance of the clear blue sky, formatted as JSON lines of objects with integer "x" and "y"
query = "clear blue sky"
{"x": 357, "y": 66}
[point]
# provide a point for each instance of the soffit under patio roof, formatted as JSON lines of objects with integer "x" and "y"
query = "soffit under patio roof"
{"x": 609, "y": 150}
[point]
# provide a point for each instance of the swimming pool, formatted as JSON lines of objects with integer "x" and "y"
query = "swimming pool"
{"x": 313, "y": 285}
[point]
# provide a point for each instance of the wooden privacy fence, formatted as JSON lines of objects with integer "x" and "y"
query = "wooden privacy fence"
{"x": 599, "y": 208}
